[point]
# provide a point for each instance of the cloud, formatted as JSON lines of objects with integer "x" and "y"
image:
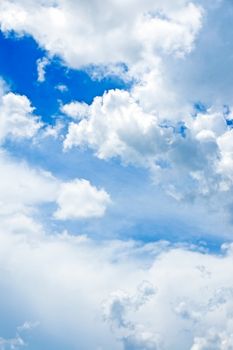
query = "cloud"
{"x": 196, "y": 149}
{"x": 29, "y": 188}
{"x": 125, "y": 293}
{"x": 75, "y": 109}
{"x": 17, "y": 118}
{"x": 21, "y": 195}
{"x": 114, "y": 294}
{"x": 61, "y": 87}
{"x": 133, "y": 336}
{"x": 214, "y": 341}
{"x": 78, "y": 199}
{"x": 14, "y": 343}
{"x": 17, "y": 342}
{"x": 98, "y": 37}
{"x": 115, "y": 126}
{"x": 110, "y": 290}
{"x": 42, "y": 63}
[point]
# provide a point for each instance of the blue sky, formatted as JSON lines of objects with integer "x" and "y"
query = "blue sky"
{"x": 116, "y": 185}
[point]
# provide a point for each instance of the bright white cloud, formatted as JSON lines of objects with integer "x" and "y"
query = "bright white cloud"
{"x": 75, "y": 109}
{"x": 116, "y": 126}
{"x": 78, "y": 199}
{"x": 98, "y": 36}
{"x": 17, "y": 118}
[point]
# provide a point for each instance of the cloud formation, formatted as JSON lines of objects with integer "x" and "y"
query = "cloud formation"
{"x": 17, "y": 118}
{"x": 98, "y": 37}
{"x": 78, "y": 199}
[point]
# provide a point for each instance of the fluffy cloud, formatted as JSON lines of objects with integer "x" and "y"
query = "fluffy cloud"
{"x": 98, "y": 36}
{"x": 196, "y": 149}
{"x": 17, "y": 118}
{"x": 75, "y": 109}
{"x": 78, "y": 199}
{"x": 115, "y": 126}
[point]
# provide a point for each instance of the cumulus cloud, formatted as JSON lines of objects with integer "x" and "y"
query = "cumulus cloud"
{"x": 99, "y": 34}
{"x": 196, "y": 149}
{"x": 17, "y": 118}
{"x": 115, "y": 126}
{"x": 78, "y": 199}
{"x": 75, "y": 109}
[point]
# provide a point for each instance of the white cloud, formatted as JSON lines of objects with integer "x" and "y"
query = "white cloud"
{"x": 116, "y": 126}
{"x": 21, "y": 195}
{"x": 78, "y": 199}
{"x": 98, "y": 36}
{"x": 42, "y": 63}
{"x": 17, "y": 118}
{"x": 75, "y": 109}
{"x": 61, "y": 87}
{"x": 133, "y": 336}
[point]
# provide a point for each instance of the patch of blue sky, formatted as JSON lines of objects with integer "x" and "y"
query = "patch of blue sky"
{"x": 18, "y": 67}
{"x": 199, "y": 107}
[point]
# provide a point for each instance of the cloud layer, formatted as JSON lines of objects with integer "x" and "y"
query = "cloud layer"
{"x": 120, "y": 292}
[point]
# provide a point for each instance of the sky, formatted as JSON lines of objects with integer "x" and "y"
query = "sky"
{"x": 116, "y": 175}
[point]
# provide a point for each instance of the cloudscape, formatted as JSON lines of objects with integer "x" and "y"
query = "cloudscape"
{"x": 116, "y": 175}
